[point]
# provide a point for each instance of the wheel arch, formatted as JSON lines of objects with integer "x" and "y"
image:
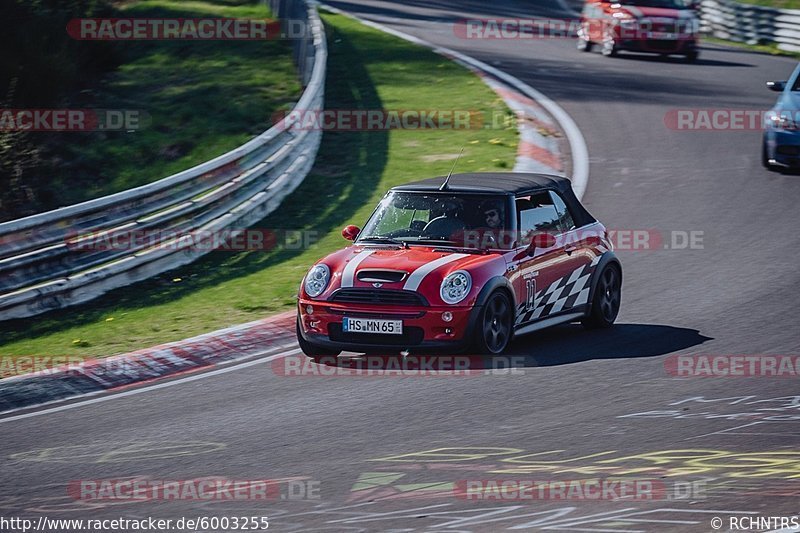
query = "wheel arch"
{"x": 607, "y": 259}
{"x": 496, "y": 283}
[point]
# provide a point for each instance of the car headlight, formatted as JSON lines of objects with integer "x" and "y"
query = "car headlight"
{"x": 624, "y": 19}
{"x": 317, "y": 279}
{"x": 780, "y": 120}
{"x": 455, "y": 287}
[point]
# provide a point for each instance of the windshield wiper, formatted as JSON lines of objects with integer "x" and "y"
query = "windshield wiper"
{"x": 379, "y": 239}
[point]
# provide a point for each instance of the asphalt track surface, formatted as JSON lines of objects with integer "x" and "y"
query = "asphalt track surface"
{"x": 735, "y": 295}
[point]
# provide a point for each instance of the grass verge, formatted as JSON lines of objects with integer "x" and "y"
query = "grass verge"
{"x": 771, "y": 49}
{"x": 778, "y": 4}
{"x": 366, "y": 70}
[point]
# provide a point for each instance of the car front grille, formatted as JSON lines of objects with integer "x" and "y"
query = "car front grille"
{"x": 665, "y": 27}
{"x": 378, "y": 297}
{"x": 788, "y": 150}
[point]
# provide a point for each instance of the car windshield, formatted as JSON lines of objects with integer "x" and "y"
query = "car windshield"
{"x": 463, "y": 220}
{"x": 668, "y": 4}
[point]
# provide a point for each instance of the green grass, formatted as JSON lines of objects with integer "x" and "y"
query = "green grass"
{"x": 780, "y": 4}
{"x": 762, "y": 48}
{"x": 202, "y": 99}
{"x": 366, "y": 69}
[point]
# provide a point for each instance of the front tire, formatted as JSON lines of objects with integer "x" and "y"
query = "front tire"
{"x": 609, "y": 45}
{"x": 312, "y": 350}
{"x": 606, "y": 299}
{"x": 584, "y": 44}
{"x": 495, "y": 326}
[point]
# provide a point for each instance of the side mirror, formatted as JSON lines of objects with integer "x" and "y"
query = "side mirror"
{"x": 541, "y": 240}
{"x": 351, "y": 232}
{"x": 777, "y": 86}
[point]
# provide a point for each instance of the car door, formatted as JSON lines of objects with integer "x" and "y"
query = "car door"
{"x": 578, "y": 246}
{"x": 536, "y": 276}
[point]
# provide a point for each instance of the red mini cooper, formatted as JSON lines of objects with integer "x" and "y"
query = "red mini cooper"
{"x": 655, "y": 26}
{"x": 464, "y": 262}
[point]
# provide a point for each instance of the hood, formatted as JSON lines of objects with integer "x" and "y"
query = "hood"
{"x": 642, "y": 12}
{"x": 789, "y": 101}
{"x": 399, "y": 269}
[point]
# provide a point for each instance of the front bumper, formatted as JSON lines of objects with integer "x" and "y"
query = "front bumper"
{"x": 423, "y": 327}
{"x": 658, "y": 46}
{"x": 783, "y": 148}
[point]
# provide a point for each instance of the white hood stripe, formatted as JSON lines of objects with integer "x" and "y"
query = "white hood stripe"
{"x": 415, "y": 279}
{"x": 349, "y": 272}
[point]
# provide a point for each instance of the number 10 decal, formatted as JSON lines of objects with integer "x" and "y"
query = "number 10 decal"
{"x": 530, "y": 288}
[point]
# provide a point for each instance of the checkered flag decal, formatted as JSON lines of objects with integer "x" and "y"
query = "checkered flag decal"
{"x": 563, "y": 293}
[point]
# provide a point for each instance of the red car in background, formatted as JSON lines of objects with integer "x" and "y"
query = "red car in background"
{"x": 461, "y": 263}
{"x": 654, "y": 26}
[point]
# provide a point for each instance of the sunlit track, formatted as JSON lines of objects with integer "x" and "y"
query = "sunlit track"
{"x": 389, "y": 451}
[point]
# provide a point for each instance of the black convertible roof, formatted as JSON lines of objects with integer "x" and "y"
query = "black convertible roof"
{"x": 490, "y": 182}
{"x": 505, "y": 183}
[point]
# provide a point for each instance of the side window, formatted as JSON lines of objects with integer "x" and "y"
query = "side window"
{"x": 564, "y": 217}
{"x": 537, "y": 213}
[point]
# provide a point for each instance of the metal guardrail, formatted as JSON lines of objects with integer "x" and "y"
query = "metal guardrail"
{"x": 43, "y": 266}
{"x": 727, "y": 19}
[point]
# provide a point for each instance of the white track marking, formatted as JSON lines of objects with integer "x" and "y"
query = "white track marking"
{"x": 180, "y": 381}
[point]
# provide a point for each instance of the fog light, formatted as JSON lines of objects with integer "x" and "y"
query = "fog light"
{"x": 309, "y": 310}
{"x": 447, "y": 316}
{"x": 448, "y": 331}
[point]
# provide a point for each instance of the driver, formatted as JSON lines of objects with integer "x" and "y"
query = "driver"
{"x": 490, "y": 233}
{"x": 493, "y": 214}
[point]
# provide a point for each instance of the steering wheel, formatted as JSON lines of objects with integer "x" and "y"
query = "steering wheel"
{"x": 443, "y": 227}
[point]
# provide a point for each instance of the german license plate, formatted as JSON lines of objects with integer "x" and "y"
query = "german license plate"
{"x": 372, "y": 325}
{"x": 663, "y": 36}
